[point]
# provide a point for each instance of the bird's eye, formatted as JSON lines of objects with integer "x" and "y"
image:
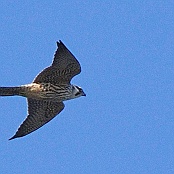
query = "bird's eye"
{"x": 78, "y": 88}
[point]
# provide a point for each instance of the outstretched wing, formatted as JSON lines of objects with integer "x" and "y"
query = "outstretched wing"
{"x": 40, "y": 113}
{"x": 64, "y": 67}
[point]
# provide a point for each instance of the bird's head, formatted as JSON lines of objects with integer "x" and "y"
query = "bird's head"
{"x": 77, "y": 91}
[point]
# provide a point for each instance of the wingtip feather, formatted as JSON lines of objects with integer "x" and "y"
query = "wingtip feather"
{"x": 12, "y": 138}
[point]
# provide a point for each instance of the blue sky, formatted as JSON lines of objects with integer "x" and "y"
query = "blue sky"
{"x": 125, "y": 124}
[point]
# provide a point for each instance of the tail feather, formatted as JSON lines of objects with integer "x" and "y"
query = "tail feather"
{"x": 9, "y": 91}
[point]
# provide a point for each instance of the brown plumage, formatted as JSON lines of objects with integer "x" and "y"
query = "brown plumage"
{"x": 48, "y": 91}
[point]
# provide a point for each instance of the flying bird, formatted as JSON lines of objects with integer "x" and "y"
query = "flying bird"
{"x": 45, "y": 95}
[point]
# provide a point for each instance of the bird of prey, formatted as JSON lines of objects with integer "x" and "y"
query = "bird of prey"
{"x": 45, "y": 95}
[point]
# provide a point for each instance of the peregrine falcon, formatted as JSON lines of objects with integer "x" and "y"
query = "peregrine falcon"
{"x": 45, "y": 95}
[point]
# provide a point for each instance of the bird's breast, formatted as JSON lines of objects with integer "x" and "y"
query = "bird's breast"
{"x": 48, "y": 91}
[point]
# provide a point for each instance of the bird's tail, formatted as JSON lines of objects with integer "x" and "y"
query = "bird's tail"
{"x": 9, "y": 91}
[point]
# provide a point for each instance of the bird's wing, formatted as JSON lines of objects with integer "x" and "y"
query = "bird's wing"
{"x": 64, "y": 67}
{"x": 40, "y": 112}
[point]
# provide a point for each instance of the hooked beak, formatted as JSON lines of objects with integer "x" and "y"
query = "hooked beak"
{"x": 83, "y": 94}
